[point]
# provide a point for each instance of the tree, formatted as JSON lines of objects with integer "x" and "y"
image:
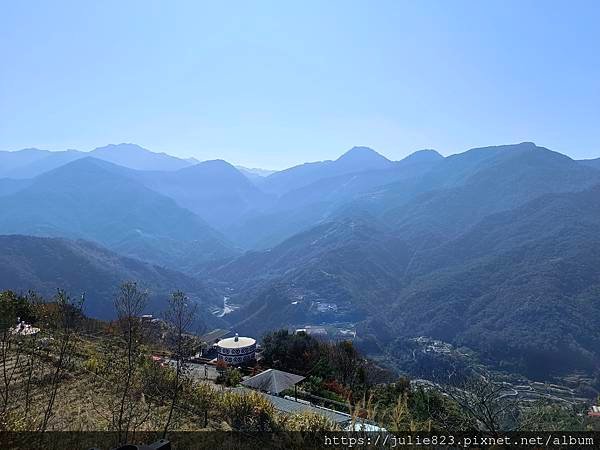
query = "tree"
{"x": 230, "y": 377}
{"x": 203, "y": 397}
{"x": 441, "y": 412}
{"x": 66, "y": 313}
{"x": 180, "y": 316}
{"x": 13, "y": 308}
{"x": 299, "y": 352}
{"x": 130, "y": 302}
{"x": 489, "y": 404}
{"x": 346, "y": 362}
{"x": 543, "y": 415}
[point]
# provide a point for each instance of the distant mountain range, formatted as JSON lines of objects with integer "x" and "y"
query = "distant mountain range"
{"x": 254, "y": 173}
{"x": 92, "y": 199}
{"x": 494, "y": 248}
{"x": 357, "y": 159}
{"x": 29, "y": 163}
{"x": 215, "y": 190}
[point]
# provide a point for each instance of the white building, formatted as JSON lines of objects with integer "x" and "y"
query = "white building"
{"x": 236, "y": 350}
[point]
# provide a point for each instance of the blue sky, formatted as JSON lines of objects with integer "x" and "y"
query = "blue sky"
{"x": 272, "y": 84}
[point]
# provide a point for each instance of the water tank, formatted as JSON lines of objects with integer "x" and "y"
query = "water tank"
{"x": 236, "y": 350}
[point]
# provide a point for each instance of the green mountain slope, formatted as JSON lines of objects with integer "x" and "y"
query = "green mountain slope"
{"x": 474, "y": 261}
{"x": 521, "y": 287}
{"x": 335, "y": 271}
{"x": 45, "y": 264}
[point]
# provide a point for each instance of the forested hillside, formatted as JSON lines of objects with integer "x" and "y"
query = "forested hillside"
{"x": 493, "y": 249}
{"x": 83, "y": 268}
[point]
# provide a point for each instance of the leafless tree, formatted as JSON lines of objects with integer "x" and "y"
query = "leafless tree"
{"x": 130, "y": 302}
{"x": 490, "y": 404}
{"x": 31, "y": 366}
{"x": 180, "y": 316}
{"x": 66, "y": 314}
{"x": 10, "y": 362}
{"x": 31, "y": 353}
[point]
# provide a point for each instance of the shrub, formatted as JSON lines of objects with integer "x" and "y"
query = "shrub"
{"x": 308, "y": 421}
{"x": 230, "y": 377}
{"x": 337, "y": 388}
{"x": 249, "y": 411}
{"x": 221, "y": 365}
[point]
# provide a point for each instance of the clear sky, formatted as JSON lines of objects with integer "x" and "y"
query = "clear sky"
{"x": 272, "y": 84}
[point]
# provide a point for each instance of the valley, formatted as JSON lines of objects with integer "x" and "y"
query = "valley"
{"x": 492, "y": 249}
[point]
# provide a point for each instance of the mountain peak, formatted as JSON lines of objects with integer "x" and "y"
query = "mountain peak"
{"x": 212, "y": 165}
{"x": 122, "y": 147}
{"x": 527, "y": 144}
{"x": 360, "y": 154}
{"x": 424, "y": 155}
{"x": 136, "y": 157}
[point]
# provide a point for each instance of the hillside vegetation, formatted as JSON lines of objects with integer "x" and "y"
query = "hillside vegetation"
{"x": 81, "y": 374}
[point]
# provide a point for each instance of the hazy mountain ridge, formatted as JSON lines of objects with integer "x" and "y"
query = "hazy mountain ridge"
{"x": 357, "y": 159}
{"x": 506, "y": 182}
{"x": 255, "y": 173}
{"x": 92, "y": 199}
{"x": 321, "y": 200}
{"x": 29, "y": 163}
{"x": 215, "y": 190}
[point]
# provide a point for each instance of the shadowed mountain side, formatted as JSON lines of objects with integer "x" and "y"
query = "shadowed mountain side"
{"x": 48, "y": 161}
{"x": 505, "y": 182}
{"x": 427, "y": 201}
{"x": 520, "y": 287}
{"x": 11, "y": 161}
{"x": 347, "y": 263}
{"x": 45, "y": 264}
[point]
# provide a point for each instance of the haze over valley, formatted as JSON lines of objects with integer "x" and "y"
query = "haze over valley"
{"x": 493, "y": 249}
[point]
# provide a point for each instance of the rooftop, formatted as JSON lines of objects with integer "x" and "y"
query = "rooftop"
{"x": 273, "y": 381}
{"x": 236, "y": 342}
{"x": 214, "y": 335}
